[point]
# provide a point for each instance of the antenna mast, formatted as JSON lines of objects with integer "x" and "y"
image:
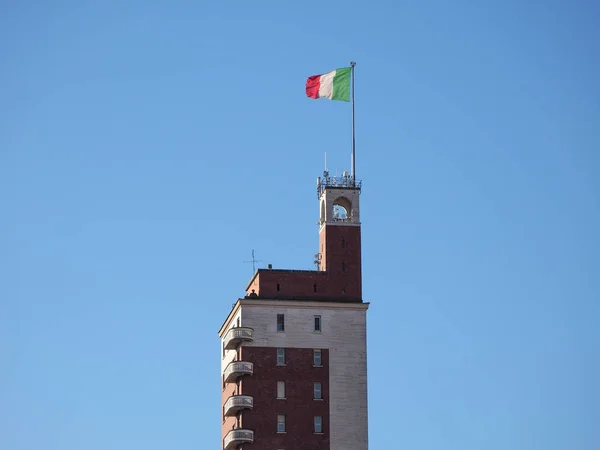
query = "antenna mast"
{"x": 253, "y": 261}
{"x": 352, "y": 64}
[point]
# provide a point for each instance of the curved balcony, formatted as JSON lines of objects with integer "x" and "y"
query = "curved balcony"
{"x": 236, "y": 403}
{"x": 238, "y": 437}
{"x": 236, "y": 369}
{"x": 236, "y": 336}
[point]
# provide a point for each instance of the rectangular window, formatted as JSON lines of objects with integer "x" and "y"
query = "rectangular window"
{"x": 317, "y": 323}
{"x": 280, "y": 322}
{"x": 317, "y": 394}
{"x": 281, "y": 389}
{"x": 317, "y": 358}
{"x": 281, "y": 356}
{"x": 281, "y": 423}
{"x": 223, "y": 349}
{"x": 318, "y": 424}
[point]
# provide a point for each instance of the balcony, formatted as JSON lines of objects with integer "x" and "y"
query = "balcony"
{"x": 238, "y": 437}
{"x": 236, "y": 336}
{"x": 236, "y": 369}
{"x": 236, "y": 403}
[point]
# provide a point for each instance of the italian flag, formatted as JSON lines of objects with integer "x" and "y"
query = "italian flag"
{"x": 334, "y": 85}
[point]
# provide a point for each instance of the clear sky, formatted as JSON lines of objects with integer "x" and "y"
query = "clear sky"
{"x": 147, "y": 147}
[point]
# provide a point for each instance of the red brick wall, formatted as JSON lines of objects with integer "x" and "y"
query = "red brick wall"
{"x": 229, "y": 422}
{"x": 339, "y": 279}
{"x": 299, "y": 406}
{"x": 291, "y": 284}
{"x": 340, "y": 249}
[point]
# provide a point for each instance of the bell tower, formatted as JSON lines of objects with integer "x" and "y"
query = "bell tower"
{"x": 339, "y": 233}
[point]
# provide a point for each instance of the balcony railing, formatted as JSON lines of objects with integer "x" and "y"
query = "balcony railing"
{"x": 236, "y": 335}
{"x": 236, "y": 403}
{"x": 238, "y": 437}
{"x": 345, "y": 181}
{"x": 236, "y": 369}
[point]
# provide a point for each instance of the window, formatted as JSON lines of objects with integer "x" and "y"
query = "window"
{"x": 223, "y": 349}
{"x": 281, "y": 356}
{"x": 277, "y": 287}
{"x": 318, "y": 424}
{"x": 317, "y": 358}
{"x": 317, "y": 394}
{"x": 238, "y": 322}
{"x": 280, "y": 322}
{"x": 281, "y": 389}
{"x": 343, "y": 243}
{"x": 314, "y": 288}
{"x": 317, "y": 323}
{"x": 343, "y": 267}
{"x": 280, "y": 423}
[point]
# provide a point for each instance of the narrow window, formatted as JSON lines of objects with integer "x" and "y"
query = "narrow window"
{"x": 343, "y": 267}
{"x": 281, "y": 389}
{"x": 317, "y": 358}
{"x": 280, "y": 322}
{"x": 317, "y": 394}
{"x": 223, "y": 349}
{"x": 343, "y": 243}
{"x": 318, "y": 424}
{"x": 277, "y": 287}
{"x": 281, "y": 356}
{"x": 238, "y": 322}
{"x": 314, "y": 288}
{"x": 280, "y": 423}
{"x": 318, "y": 323}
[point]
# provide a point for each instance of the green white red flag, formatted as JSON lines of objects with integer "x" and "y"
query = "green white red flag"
{"x": 334, "y": 85}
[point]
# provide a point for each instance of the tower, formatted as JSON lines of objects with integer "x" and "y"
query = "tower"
{"x": 294, "y": 357}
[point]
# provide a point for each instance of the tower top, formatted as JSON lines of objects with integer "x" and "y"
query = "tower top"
{"x": 346, "y": 181}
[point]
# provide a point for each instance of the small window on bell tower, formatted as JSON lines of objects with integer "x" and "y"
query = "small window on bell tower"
{"x": 343, "y": 243}
{"x": 343, "y": 267}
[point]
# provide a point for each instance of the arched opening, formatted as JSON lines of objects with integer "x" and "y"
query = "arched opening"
{"x": 342, "y": 209}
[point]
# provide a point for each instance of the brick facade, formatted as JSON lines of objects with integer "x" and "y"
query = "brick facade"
{"x": 339, "y": 277}
{"x": 299, "y": 407}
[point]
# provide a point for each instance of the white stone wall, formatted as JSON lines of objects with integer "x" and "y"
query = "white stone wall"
{"x": 229, "y": 354}
{"x": 327, "y": 199}
{"x": 344, "y": 334}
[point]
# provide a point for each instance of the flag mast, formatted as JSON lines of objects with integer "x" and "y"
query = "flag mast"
{"x": 352, "y": 64}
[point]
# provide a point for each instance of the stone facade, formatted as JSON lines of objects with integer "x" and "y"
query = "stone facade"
{"x": 342, "y": 340}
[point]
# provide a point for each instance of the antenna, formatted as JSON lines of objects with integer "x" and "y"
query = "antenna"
{"x": 325, "y": 161}
{"x": 253, "y": 261}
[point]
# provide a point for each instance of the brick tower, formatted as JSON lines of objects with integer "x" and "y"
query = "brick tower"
{"x": 294, "y": 349}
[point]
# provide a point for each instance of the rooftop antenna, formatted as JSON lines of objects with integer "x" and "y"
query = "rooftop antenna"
{"x": 325, "y": 161}
{"x": 253, "y": 261}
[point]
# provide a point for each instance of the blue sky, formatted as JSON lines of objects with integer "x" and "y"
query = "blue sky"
{"x": 147, "y": 147}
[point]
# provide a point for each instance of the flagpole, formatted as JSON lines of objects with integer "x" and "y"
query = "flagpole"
{"x": 352, "y": 64}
